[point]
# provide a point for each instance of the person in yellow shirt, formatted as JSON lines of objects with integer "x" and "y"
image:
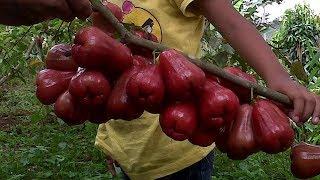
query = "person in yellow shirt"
{"x": 140, "y": 147}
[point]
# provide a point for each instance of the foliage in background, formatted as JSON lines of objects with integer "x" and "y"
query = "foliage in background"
{"x": 299, "y": 29}
{"x": 23, "y": 48}
{"x": 298, "y": 40}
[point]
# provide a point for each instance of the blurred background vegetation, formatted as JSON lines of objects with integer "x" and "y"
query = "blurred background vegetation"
{"x": 36, "y": 144}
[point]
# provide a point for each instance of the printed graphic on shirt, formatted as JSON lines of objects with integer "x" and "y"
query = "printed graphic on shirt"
{"x": 141, "y": 17}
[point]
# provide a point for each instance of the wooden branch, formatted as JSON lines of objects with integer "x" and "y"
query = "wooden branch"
{"x": 125, "y": 34}
{"x": 209, "y": 67}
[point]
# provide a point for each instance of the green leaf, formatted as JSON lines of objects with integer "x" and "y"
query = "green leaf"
{"x": 298, "y": 71}
{"x": 62, "y": 145}
{"x": 47, "y": 174}
{"x": 37, "y": 116}
{"x": 221, "y": 58}
{"x": 24, "y": 161}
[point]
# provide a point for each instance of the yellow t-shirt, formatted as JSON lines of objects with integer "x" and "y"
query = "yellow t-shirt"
{"x": 140, "y": 146}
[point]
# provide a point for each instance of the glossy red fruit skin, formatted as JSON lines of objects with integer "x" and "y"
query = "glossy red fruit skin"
{"x": 141, "y": 61}
{"x": 178, "y": 121}
{"x": 271, "y": 127}
{"x": 99, "y": 21}
{"x": 94, "y": 49}
{"x": 183, "y": 80}
{"x": 212, "y": 77}
{"x": 203, "y": 137}
{"x": 98, "y": 114}
{"x": 119, "y": 106}
{"x": 69, "y": 110}
{"x": 51, "y": 84}
{"x": 142, "y": 51}
{"x": 146, "y": 88}
{"x": 282, "y": 107}
{"x": 59, "y": 58}
{"x": 218, "y": 105}
{"x": 305, "y": 160}
{"x": 244, "y": 94}
{"x": 241, "y": 141}
{"x": 90, "y": 88}
{"x": 222, "y": 139}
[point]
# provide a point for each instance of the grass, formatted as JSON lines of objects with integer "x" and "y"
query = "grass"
{"x": 37, "y": 145}
{"x": 34, "y": 144}
{"x": 258, "y": 166}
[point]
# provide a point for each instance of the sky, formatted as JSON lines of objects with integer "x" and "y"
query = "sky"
{"x": 276, "y": 10}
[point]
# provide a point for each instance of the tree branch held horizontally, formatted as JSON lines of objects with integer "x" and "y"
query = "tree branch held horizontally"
{"x": 209, "y": 67}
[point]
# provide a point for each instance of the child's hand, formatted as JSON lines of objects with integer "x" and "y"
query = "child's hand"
{"x": 27, "y": 12}
{"x": 67, "y": 10}
{"x": 305, "y": 103}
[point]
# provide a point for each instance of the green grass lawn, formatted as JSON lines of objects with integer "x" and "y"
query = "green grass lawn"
{"x": 34, "y": 144}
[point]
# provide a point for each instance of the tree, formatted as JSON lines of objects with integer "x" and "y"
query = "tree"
{"x": 298, "y": 40}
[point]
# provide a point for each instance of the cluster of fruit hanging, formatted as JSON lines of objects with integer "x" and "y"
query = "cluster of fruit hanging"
{"x": 98, "y": 78}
